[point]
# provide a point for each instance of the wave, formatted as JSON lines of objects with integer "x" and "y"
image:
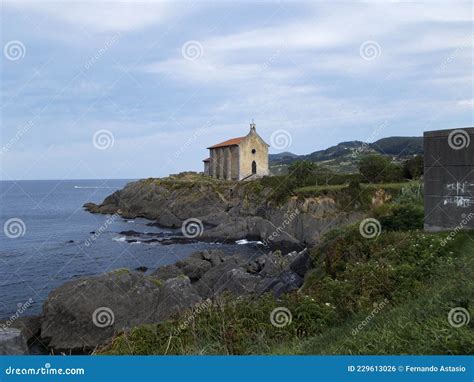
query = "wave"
{"x": 120, "y": 238}
{"x": 245, "y": 241}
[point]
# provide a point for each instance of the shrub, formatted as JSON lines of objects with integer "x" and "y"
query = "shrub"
{"x": 377, "y": 169}
{"x": 413, "y": 168}
{"x": 403, "y": 217}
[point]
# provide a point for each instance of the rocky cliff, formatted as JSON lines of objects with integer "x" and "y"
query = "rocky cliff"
{"x": 85, "y": 313}
{"x": 228, "y": 210}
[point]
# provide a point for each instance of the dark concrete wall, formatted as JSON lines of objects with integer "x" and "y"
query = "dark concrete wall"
{"x": 449, "y": 179}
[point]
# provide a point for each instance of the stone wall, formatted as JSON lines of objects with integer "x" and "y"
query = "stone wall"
{"x": 449, "y": 179}
{"x": 253, "y": 142}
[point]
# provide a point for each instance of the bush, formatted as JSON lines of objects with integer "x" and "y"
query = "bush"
{"x": 403, "y": 217}
{"x": 378, "y": 169}
{"x": 413, "y": 168}
{"x": 412, "y": 193}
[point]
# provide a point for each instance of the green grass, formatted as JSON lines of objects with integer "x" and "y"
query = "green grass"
{"x": 415, "y": 326}
{"x": 319, "y": 189}
{"x": 420, "y": 279}
{"x": 386, "y": 186}
{"x": 369, "y": 186}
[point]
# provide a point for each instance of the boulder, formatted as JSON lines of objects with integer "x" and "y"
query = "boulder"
{"x": 207, "y": 285}
{"x": 176, "y": 295}
{"x": 167, "y": 272}
{"x": 238, "y": 282}
{"x": 12, "y": 342}
{"x": 84, "y": 313}
{"x": 301, "y": 262}
{"x": 29, "y": 326}
{"x": 194, "y": 266}
{"x": 214, "y": 256}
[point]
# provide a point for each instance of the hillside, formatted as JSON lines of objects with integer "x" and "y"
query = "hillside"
{"x": 343, "y": 157}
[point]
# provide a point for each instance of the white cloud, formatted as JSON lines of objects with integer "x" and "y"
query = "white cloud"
{"x": 466, "y": 103}
{"x": 101, "y": 15}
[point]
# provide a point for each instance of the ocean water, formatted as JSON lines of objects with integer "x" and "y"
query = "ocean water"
{"x": 46, "y": 240}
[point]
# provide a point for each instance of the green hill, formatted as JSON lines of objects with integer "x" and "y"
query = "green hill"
{"x": 344, "y": 156}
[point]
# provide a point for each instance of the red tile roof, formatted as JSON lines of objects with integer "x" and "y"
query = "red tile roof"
{"x": 230, "y": 142}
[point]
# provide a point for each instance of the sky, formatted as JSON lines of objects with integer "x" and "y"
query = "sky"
{"x": 104, "y": 89}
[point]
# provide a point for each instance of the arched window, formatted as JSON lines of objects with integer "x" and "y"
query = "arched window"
{"x": 254, "y": 167}
{"x": 254, "y": 151}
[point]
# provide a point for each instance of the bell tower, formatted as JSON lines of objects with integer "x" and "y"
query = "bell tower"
{"x": 253, "y": 128}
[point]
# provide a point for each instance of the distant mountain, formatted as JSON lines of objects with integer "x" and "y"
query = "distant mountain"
{"x": 399, "y": 146}
{"x": 342, "y": 153}
{"x": 333, "y": 152}
{"x": 283, "y": 156}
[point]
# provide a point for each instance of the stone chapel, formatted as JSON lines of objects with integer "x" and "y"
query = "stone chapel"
{"x": 239, "y": 158}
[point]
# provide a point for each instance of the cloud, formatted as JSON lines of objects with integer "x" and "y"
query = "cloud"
{"x": 101, "y": 15}
{"x": 291, "y": 66}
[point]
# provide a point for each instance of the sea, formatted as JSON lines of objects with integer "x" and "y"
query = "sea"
{"x": 48, "y": 238}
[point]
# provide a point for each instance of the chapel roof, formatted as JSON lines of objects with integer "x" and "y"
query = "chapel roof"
{"x": 229, "y": 142}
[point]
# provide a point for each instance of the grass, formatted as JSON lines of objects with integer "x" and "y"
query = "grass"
{"x": 420, "y": 279}
{"x": 369, "y": 186}
{"x": 416, "y": 326}
{"x": 386, "y": 186}
{"x": 318, "y": 189}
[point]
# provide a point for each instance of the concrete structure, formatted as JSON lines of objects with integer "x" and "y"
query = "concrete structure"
{"x": 238, "y": 158}
{"x": 449, "y": 179}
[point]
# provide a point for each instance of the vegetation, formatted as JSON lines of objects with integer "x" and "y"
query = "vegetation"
{"x": 386, "y": 295}
{"x": 377, "y": 169}
{"x": 389, "y": 294}
{"x": 413, "y": 168}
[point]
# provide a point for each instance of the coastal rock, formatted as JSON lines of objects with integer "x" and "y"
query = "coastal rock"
{"x": 167, "y": 272}
{"x": 209, "y": 283}
{"x": 238, "y": 282}
{"x": 28, "y": 325}
{"x": 88, "y": 312}
{"x": 176, "y": 295}
{"x": 300, "y": 262}
{"x": 12, "y": 342}
{"x": 194, "y": 266}
{"x": 229, "y": 211}
{"x": 84, "y": 313}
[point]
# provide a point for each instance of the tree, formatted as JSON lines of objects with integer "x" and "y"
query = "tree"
{"x": 377, "y": 168}
{"x": 413, "y": 168}
{"x": 301, "y": 172}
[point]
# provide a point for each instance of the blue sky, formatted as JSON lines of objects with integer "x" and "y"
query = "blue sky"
{"x": 129, "y": 90}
